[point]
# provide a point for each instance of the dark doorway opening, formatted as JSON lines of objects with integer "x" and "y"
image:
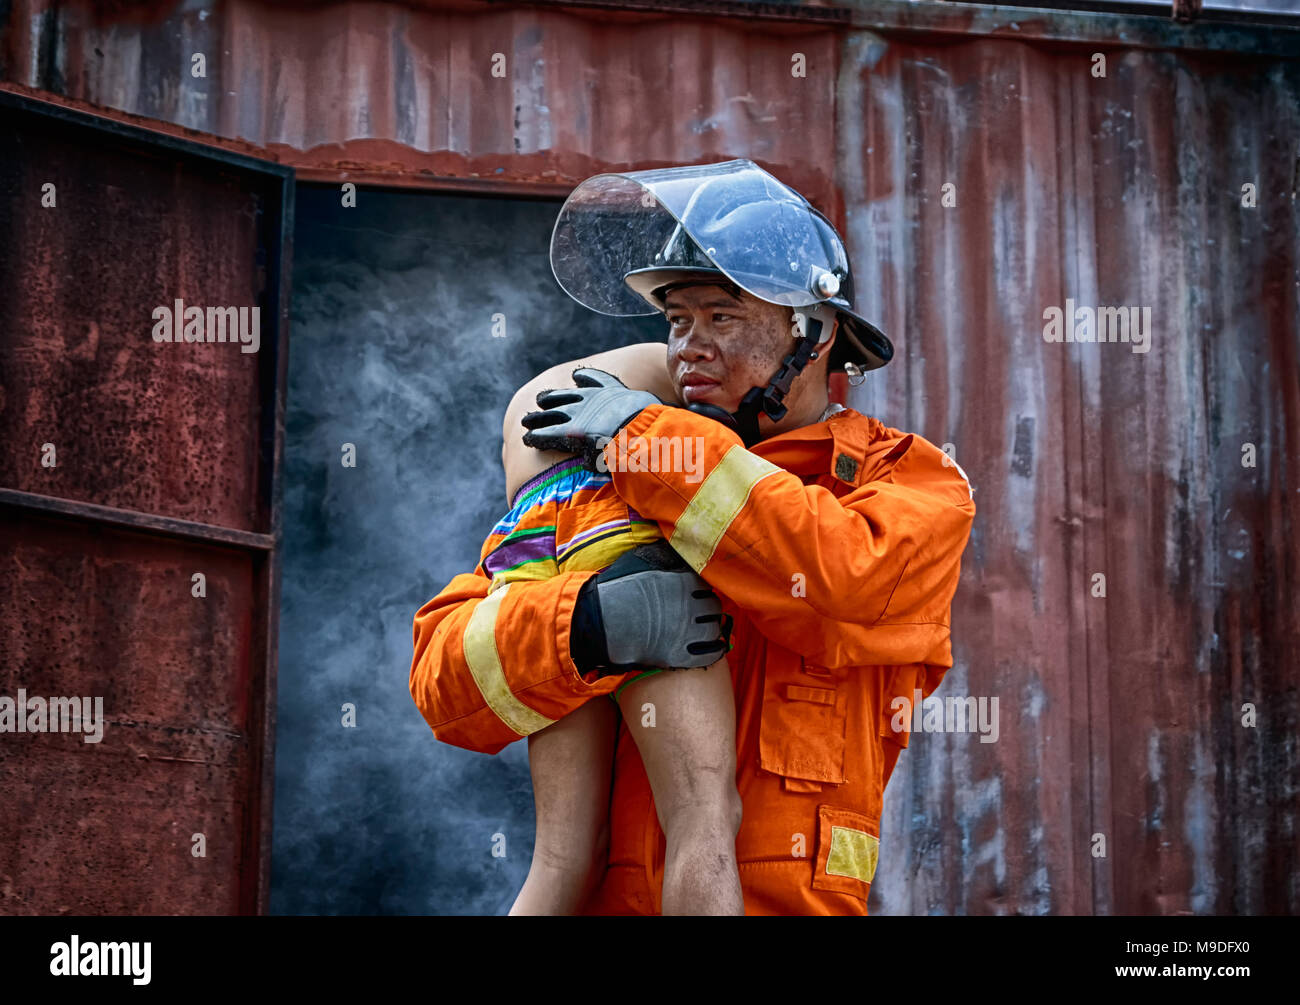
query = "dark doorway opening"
{"x": 393, "y": 351}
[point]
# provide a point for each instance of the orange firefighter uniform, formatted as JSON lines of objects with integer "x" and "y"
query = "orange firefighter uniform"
{"x": 837, "y": 548}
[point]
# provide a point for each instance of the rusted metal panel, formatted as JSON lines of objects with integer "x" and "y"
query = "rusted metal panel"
{"x": 166, "y": 465}
{"x": 107, "y": 827}
{"x": 133, "y": 423}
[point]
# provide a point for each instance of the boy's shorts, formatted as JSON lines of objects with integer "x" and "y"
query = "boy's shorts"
{"x": 566, "y": 519}
{"x": 632, "y": 680}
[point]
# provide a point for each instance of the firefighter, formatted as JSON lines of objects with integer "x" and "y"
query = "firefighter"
{"x": 833, "y": 541}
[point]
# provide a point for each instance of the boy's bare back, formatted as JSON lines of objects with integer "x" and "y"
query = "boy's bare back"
{"x": 643, "y": 366}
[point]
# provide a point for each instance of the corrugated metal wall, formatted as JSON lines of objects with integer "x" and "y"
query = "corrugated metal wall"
{"x": 404, "y": 92}
{"x": 1122, "y": 715}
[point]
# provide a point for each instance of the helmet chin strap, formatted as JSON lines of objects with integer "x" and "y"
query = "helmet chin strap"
{"x": 769, "y": 400}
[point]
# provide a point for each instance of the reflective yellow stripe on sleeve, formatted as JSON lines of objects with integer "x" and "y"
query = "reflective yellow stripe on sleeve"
{"x": 708, "y": 515}
{"x": 480, "y": 644}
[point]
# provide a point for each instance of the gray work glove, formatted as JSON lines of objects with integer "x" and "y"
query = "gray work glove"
{"x": 582, "y": 420}
{"x": 648, "y": 609}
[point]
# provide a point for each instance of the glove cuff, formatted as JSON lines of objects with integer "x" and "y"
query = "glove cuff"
{"x": 587, "y": 633}
{"x": 593, "y": 451}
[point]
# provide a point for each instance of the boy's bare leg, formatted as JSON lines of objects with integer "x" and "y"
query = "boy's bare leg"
{"x": 690, "y": 757}
{"x": 571, "y": 762}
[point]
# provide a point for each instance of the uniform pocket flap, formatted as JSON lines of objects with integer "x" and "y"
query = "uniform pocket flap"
{"x": 801, "y": 731}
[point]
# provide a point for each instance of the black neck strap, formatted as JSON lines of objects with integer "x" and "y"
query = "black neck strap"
{"x": 770, "y": 400}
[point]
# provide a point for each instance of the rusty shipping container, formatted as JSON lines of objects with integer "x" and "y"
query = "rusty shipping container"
{"x": 1130, "y": 590}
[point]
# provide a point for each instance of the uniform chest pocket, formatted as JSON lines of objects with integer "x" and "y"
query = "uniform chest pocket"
{"x": 802, "y": 730}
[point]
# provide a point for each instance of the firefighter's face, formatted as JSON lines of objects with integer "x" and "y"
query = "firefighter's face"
{"x": 720, "y": 346}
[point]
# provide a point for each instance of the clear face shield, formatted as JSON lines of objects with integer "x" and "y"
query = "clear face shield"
{"x": 649, "y": 227}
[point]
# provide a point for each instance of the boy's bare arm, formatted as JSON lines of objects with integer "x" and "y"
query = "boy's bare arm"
{"x": 643, "y": 366}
